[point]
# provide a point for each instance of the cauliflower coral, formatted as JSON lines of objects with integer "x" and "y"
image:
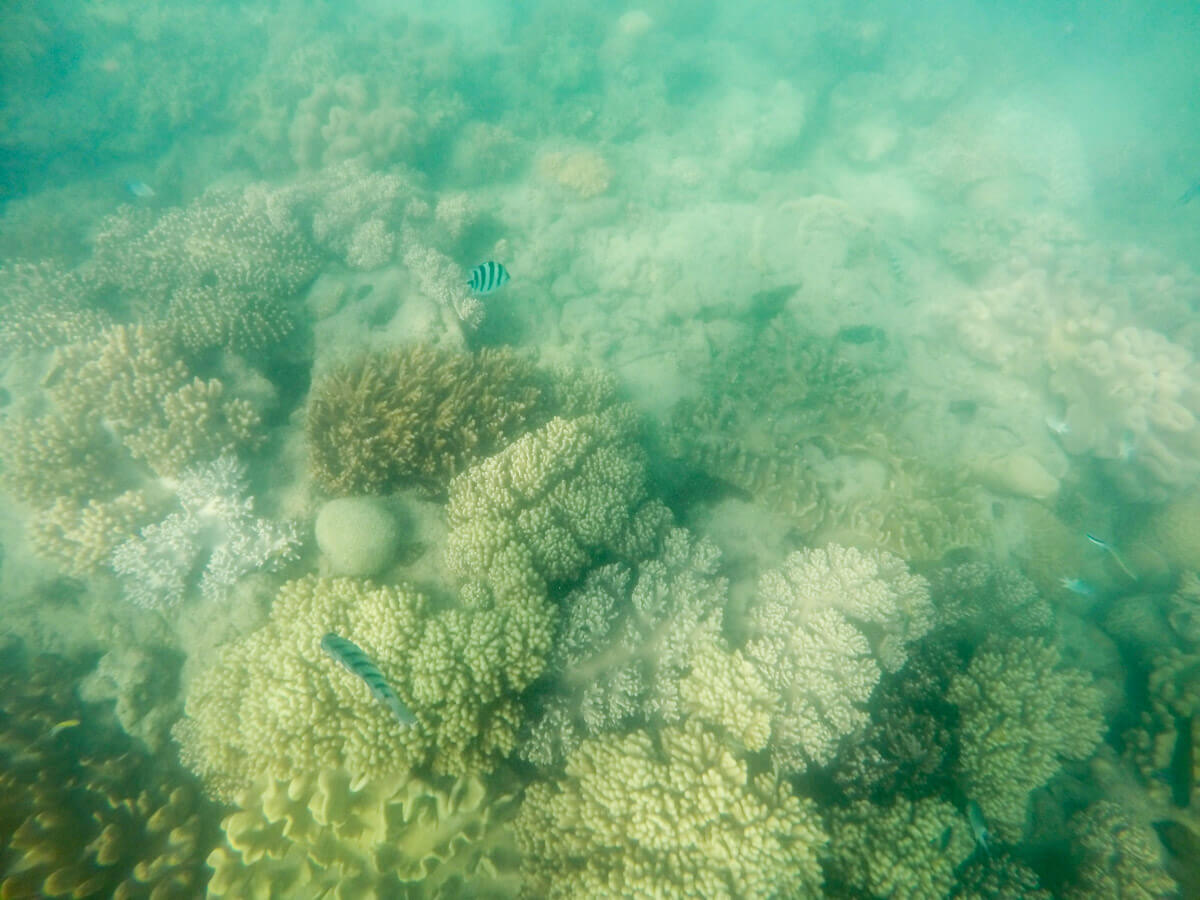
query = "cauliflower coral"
{"x": 821, "y": 627}
{"x": 1021, "y": 716}
{"x": 673, "y": 814}
{"x": 539, "y": 511}
{"x": 272, "y": 703}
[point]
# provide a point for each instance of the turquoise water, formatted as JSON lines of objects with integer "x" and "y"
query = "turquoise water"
{"x": 812, "y": 513}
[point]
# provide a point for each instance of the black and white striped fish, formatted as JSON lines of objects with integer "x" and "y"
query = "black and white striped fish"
{"x": 487, "y": 277}
{"x": 356, "y": 662}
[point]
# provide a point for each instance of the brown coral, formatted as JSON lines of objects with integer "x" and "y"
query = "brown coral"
{"x": 418, "y": 414}
{"x": 103, "y": 822}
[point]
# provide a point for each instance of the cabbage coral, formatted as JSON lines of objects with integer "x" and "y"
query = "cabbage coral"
{"x": 905, "y": 851}
{"x": 82, "y": 812}
{"x": 272, "y": 703}
{"x": 1021, "y": 717}
{"x": 542, "y": 509}
{"x": 675, "y": 814}
{"x": 328, "y": 835}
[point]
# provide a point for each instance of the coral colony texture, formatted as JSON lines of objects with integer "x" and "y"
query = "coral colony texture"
{"x": 812, "y": 510}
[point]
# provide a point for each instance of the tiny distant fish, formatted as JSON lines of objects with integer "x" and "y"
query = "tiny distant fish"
{"x": 1057, "y": 425}
{"x": 63, "y": 726}
{"x": 978, "y": 825}
{"x": 1112, "y": 551}
{"x": 487, "y": 277}
{"x": 139, "y": 189}
{"x": 1078, "y": 586}
{"x": 356, "y": 662}
{"x": 1190, "y": 194}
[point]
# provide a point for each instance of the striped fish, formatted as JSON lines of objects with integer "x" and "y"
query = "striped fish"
{"x": 487, "y": 277}
{"x": 356, "y": 662}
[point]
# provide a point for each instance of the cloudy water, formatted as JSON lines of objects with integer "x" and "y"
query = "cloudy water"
{"x": 576, "y": 450}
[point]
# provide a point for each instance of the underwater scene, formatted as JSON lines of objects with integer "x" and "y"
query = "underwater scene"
{"x": 588, "y": 450}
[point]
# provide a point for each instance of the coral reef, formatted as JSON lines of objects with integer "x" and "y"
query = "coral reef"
{"x": 1117, "y": 857}
{"x": 45, "y": 305}
{"x": 975, "y": 598}
{"x": 626, "y": 640}
{"x": 582, "y": 172}
{"x": 143, "y": 685}
{"x": 904, "y": 851}
{"x": 272, "y": 703}
{"x": 328, "y": 835}
{"x": 543, "y": 508}
{"x": 1132, "y": 397}
{"x": 875, "y": 591}
{"x": 996, "y": 877}
{"x": 209, "y": 543}
{"x": 82, "y": 812}
{"x": 675, "y": 813}
{"x": 417, "y": 414}
{"x": 1022, "y": 716}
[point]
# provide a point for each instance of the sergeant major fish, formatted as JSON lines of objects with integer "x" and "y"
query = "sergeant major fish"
{"x": 356, "y": 662}
{"x": 487, "y": 277}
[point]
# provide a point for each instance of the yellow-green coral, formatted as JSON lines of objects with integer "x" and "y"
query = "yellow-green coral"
{"x": 417, "y": 414}
{"x": 82, "y": 813}
{"x": 905, "y": 851}
{"x": 329, "y": 835}
{"x": 671, "y": 814}
{"x": 273, "y": 703}
{"x": 1021, "y": 716}
{"x": 1119, "y": 858}
{"x": 537, "y": 512}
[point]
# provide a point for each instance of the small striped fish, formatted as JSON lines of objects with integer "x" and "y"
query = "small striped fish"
{"x": 356, "y": 662}
{"x": 487, "y": 277}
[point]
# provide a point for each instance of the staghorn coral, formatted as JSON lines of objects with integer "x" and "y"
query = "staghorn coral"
{"x": 439, "y": 279}
{"x": 45, "y": 305}
{"x": 1021, "y": 717}
{"x": 543, "y": 508}
{"x": 83, "y": 813}
{"x": 80, "y": 539}
{"x": 672, "y": 814}
{"x": 905, "y": 851}
{"x": 1118, "y": 857}
{"x": 417, "y": 414}
{"x": 209, "y": 543}
{"x": 626, "y": 639}
{"x": 272, "y": 703}
{"x": 224, "y": 240}
{"x": 328, "y": 835}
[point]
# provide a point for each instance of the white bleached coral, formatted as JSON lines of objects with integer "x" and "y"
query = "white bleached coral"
{"x": 215, "y": 532}
{"x": 820, "y": 629}
{"x": 627, "y": 639}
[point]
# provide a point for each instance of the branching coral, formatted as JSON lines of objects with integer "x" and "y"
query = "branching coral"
{"x": 905, "y": 851}
{"x": 43, "y": 306}
{"x": 540, "y": 510}
{"x": 215, "y": 534}
{"x": 1021, "y": 716}
{"x": 974, "y": 598}
{"x": 417, "y": 414}
{"x": 274, "y": 704}
{"x": 328, "y": 835}
{"x": 626, "y": 640}
{"x": 1134, "y": 397}
{"x": 676, "y": 814}
{"x": 875, "y": 591}
{"x": 1118, "y": 857}
{"x": 81, "y": 812}
{"x": 819, "y": 630}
